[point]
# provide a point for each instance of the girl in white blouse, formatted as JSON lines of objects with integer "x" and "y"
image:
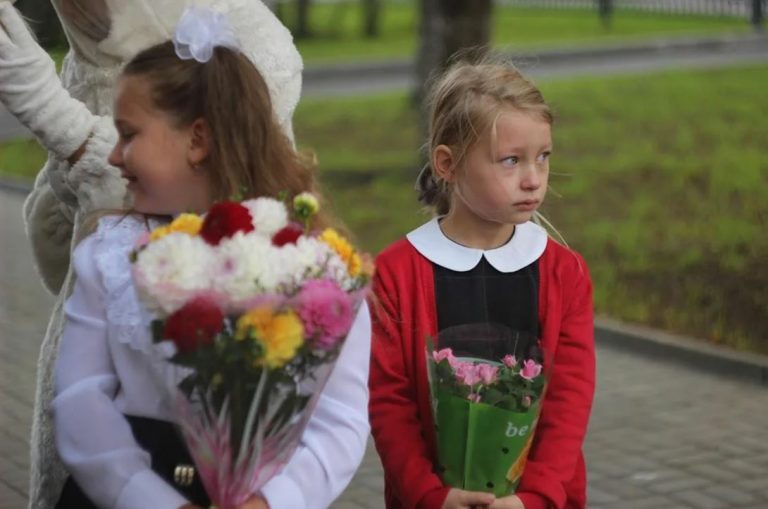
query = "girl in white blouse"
{"x": 192, "y": 131}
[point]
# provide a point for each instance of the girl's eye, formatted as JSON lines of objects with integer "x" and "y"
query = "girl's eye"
{"x": 544, "y": 156}
{"x": 127, "y": 136}
{"x": 510, "y": 161}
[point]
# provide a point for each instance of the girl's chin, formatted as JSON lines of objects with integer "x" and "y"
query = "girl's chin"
{"x": 149, "y": 209}
{"x": 516, "y": 217}
{"x": 155, "y": 209}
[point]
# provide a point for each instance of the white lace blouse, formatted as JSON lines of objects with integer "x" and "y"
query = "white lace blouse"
{"x": 108, "y": 366}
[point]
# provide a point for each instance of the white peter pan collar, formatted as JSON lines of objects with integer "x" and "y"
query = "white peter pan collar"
{"x": 525, "y": 247}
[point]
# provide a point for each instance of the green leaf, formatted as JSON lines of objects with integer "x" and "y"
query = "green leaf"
{"x": 492, "y": 396}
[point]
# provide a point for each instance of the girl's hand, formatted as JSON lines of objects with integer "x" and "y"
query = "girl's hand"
{"x": 255, "y": 502}
{"x": 510, "y": 502}
{"x": 460, "y": 499}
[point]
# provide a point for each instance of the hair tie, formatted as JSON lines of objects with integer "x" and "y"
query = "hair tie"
{"x": 199, "y": 31}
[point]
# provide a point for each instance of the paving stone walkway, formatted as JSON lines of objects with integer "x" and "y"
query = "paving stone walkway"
{"x": 662, "y": 436}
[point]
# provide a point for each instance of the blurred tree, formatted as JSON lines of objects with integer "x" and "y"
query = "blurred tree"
{"x": 605, "y": 9}
{"x": 302, "y": 19}
{"x": 371, "y": 12}
{"x": 757, "y": 15}
{"x": 42, "y": 18}
{"x": 448, "y": 26}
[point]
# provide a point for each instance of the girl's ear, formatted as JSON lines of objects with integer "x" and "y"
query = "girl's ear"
{"x": 199, "y": 143}
{"x": 443, "y": 163}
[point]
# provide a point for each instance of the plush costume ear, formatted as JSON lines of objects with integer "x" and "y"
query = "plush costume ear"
{"x": 88, "y": 17}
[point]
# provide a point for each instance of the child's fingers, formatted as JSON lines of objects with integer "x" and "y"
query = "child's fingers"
{"x": 473, "y": 498}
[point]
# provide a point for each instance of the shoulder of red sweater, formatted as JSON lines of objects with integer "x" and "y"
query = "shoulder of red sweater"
{"x": 564, "y": 257}
{"x": 395, "y": 253}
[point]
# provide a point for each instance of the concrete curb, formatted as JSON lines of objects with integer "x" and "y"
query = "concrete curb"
{"x": 15, "y": 186}
{"x": 695, "y": 353}
{"x": 551, "y": 56}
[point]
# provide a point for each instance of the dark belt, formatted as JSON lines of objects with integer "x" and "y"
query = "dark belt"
{"x": 170, "y": 460}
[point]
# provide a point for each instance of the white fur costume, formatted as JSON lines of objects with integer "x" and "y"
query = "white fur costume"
{"x": 63, "y": 195}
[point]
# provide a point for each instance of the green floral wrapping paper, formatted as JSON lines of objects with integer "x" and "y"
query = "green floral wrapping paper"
{"x": 485, "y": 417}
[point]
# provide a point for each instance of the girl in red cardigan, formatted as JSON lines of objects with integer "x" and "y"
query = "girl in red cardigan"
{"x": 482, "y": 260}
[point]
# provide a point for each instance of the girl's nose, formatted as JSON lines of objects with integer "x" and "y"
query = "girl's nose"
{"x": 116, "y": 156}
{"x": 532, "y": 179}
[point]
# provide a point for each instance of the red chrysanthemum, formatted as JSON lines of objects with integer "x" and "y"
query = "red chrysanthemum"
{"x": 225, "y": 219}
{"x": 288, "y": 235}
{"x": 194, "y": 325}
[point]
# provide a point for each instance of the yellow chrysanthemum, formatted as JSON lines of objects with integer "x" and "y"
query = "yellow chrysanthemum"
{"x": 185, "y": 223}
{"x": 159, "y": 233}
{"x": 355, "y": 265}
{"x": 280, "y": 334}
{"x": 344, "y": 249}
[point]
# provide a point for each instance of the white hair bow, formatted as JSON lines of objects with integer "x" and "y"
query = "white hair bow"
{"x": 199, "y": 31}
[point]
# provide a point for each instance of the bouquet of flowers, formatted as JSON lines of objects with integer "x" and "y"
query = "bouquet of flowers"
{"x": 258, "y": 308}
{"x": 485, "y": 414}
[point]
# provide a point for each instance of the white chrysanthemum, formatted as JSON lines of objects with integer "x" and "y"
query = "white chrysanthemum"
{"x": 302, "y": 261}
{"x": 170, "y": 270}
{"x": 337, "y": 269}
{"x": 318, "y": 260}
{"x": 247, "y": 265}
{"x": 269, "y": 215}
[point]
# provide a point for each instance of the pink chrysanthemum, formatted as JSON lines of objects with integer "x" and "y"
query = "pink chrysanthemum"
{"x": 326, "y": 312}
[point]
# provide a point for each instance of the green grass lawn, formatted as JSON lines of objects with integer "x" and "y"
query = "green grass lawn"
{"x": 660, "y": 181}
{"x": 337, "y": 29}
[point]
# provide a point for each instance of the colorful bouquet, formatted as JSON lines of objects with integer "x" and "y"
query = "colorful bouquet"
{"x": 485, "y": 415}
{"x": 258, "y": 308}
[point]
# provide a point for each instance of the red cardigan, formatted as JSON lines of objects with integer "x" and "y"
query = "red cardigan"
{"x": 404, "y": 314}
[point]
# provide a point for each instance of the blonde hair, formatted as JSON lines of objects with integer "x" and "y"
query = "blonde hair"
{"x": 463, "y": 103}
{"x": 250, "y": 155}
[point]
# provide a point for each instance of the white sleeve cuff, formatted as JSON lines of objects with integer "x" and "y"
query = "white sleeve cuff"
{"x": 282, "y": 492}
{"x": 147, "y": 489}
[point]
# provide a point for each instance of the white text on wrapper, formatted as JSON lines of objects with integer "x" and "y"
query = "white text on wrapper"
{"x": 514, "y": 431}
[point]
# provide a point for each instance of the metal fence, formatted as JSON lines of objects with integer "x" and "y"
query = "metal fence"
{"x": 737, "y": 8}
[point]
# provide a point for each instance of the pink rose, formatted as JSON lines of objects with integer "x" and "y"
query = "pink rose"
{"x": 487, "y": 373}
{"x": 441, "y": 355}
{"x": 466, "y": 373}
{"x": 531, "y": 369}
{"x": 326, "y": 311}
{"x": 509, "y": 361}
